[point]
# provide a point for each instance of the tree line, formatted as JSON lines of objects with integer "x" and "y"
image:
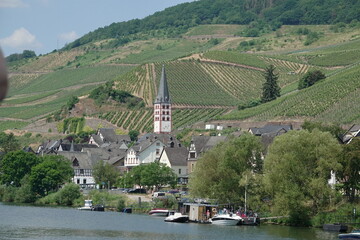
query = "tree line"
{"x": 259, "y": 14}
{"x": 291, "y": 180}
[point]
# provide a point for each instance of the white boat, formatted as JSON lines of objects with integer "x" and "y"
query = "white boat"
{"x": 177, "y": 217}
{"x": 87, "y": 206}
{"x": 161, "y": 212}
{"x": 349, "y": 236}
{"x": 229, "y": 219}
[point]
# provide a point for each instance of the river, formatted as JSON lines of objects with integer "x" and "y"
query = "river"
{"x": 52, "y": 223}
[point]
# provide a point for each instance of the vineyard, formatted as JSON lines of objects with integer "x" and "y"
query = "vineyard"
{"x": 142, "y": 120}
{"x": 48, "y": 62}
{"x": 321, "y": 101}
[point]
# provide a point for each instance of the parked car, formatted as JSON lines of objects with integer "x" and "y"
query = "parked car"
{"x": 137, "y": 190}
{"x": 158, "y": 195}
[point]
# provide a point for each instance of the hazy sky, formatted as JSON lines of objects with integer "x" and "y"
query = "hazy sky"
{"x": 45, "y": 25}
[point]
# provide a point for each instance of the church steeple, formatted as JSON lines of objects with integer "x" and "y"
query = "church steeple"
{"x": 163, "y": 93}
{"x": 162, "y": 107}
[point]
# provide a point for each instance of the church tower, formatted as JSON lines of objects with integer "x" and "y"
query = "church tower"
{"x": 162, "y": 107}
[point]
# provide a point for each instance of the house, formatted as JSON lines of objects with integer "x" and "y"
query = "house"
{"x": 82, "y": 163}
{"x": 199, "y": 145}
{"x": 148, "y": 149}
{"x": 269, "y": 132}
{"x": 74, "y": 147}
{"x": 108, "y": 135}
{"x": 270, "y": 129}
{"x": 352, "y": 132}
{"x": 176, "y": 159}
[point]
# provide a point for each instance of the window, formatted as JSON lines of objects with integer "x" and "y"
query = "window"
{"x": 75, "y": 163}
{"x": 78, "y": 181}
{"x": 157, "y": 151}
{"x": 82, "y": 171}
{"x": 192, "y": 155}
{"x": 168, "y": 119}
{"x": 179, "y": 170}
{"x": 157, "y": 144}
{"x": 84, "y": 181}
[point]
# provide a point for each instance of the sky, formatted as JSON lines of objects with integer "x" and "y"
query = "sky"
{"x": 45, "y": 25}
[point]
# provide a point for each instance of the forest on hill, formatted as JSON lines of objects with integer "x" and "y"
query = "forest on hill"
{"x": 260, "y": 15}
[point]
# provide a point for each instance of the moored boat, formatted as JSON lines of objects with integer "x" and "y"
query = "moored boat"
{"x": 177, "y": 217}
{"x": 161, "y": 212}
{"x": 228, "y": 219}
{"x": 87, "y": 206}
{"x": 350, "y": 236}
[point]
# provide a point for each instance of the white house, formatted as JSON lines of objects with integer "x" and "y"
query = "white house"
{"x": 144, "y": 152}
{"x": 176, "y": 159}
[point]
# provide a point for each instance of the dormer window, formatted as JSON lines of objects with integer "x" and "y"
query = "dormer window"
{"x": 75, "y": 163}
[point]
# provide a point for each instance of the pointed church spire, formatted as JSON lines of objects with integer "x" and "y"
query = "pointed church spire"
{"x": 163, "y": 93}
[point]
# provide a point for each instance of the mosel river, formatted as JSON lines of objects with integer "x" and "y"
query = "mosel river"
{"x": 28, "y": 222}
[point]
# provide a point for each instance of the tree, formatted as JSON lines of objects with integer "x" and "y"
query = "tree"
{"x": 334, "y": 129}
{"x": 351, "y": 167}
{"x": 133, "y": 134}
{"x": 296, "y": 172}
{"x": 310, "y": 79}
{"x": 15, "y": 165}
{"x": 221, "y": 172}
{"x": 104, "y": 174}
{"x": 8, "y": 143}
{"x": 151, "y": 175}
{"x": 49, "y": 174}
{"x": 271, "y": 89}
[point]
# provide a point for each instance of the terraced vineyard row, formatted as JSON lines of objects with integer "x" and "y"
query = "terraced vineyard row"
{"x": 139, "y": 82}
{"x": 235, "y": 57}
{"x": 311, "y": 102}
{"x": 190, "y": 84}
{"x": 142, "y": 120}
{"x": 243, "y": 84}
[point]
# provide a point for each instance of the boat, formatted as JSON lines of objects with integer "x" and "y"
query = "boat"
{"x": 177, "y": 217}
{"x": 229, "y": 219}
{"x": 161, "y": 212}
{"x": 87, "y": 206}
{"x": 350, "y": 236}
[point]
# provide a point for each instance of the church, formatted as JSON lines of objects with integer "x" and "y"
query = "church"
{"x": 162, "y": 107}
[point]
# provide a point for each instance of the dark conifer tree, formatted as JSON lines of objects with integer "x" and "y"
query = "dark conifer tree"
{"x": 271, "y": 89}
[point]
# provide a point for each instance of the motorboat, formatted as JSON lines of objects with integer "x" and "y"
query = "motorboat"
{"x": 229, "y": 219}
{"x": 350, "y": 236}
{"x": 161, "y": 212}
{"x": 177, "y": 217}
{"x": 87, "y": 206}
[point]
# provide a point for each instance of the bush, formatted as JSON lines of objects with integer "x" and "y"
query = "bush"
{"x": 120, "y": 205}
{"x": 8, "y": 194}
{"x": 68, "y": 194}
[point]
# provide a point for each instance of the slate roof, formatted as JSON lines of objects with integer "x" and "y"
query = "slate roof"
{"x": 353, "y": 131}
{"x": 76, "y": 147}
{"x": 177, "y": 156}
{"x": 108, "y": 135}
{"x": 86, "y": 161}
{"x": 270, "y": 128}
{"x": 204, "y": 143}
{"x": 163, "y": 95}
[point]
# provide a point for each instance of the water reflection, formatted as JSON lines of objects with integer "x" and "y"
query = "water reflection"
{"x": 21, "y": 222}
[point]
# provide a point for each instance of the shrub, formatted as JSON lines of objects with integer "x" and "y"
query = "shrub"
{"x": 120, "y": 205}
{"x": 68, "y": 194}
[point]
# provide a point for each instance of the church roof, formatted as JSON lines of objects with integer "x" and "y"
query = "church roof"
{"x": 163, "y": 93}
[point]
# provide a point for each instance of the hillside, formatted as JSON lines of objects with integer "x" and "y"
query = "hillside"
{"x": 211, "y": 69}
{"x": 260, "y": 16}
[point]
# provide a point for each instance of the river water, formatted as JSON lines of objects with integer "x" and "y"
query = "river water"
{"x": 29, "y": 222}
